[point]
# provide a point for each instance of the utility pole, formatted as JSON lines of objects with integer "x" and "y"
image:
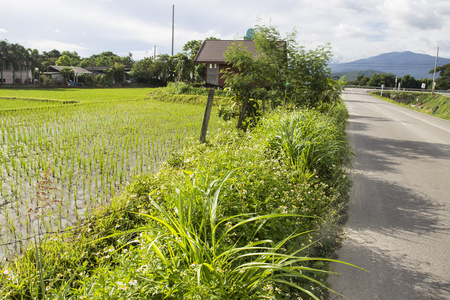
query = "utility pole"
{"x": 154, "y": 52}
{"x": 173, "y": 26}
{"x": 434, "y": 74}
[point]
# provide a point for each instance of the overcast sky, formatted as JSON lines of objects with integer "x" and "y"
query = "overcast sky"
{"x": 354, "y": 28}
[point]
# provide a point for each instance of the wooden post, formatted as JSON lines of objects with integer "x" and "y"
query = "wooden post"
{"x": 242, "y": 114}
{"x": 207, "y": 115}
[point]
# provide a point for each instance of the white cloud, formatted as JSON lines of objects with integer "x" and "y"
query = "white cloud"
{"x": 416, "y": 14}
{"x": 3, "y": 30}
{"x": 345, "y": 30}
{"x": 47, "y": 45}
{"x": 141, "y": 54}
{"x": 355, "y": 28}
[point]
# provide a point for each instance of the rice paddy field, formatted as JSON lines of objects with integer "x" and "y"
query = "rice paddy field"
{"x": 64, "y": 152}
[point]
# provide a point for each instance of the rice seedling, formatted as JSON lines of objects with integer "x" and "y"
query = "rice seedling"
{"x": 93, "y": 148}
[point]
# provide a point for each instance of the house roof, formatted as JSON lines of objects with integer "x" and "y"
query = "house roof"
{"x": 213, "y": 51}
{"x": 76, "y": 70}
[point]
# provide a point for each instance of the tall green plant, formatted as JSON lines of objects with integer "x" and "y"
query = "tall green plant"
{"x": 311, "y": 142}
{"x": 192, "y": 242}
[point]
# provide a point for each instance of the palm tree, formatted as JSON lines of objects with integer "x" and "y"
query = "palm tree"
{"x": 23, "y": 58}
{"x": 3, "y": 57}
{"x": 14, "y": 57}
{"x": 34, "y": 60}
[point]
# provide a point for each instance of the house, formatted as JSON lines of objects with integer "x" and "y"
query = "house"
{"x": 212, "y": 54}
{"x": 56, "y": 75}
{"x": 21, "y": 74}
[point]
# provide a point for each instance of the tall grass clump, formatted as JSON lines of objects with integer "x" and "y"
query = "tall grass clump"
{"x": 239, "y": 217}
{"x": 315, "y": 144}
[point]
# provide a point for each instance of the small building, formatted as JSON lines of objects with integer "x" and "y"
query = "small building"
{"x": 19, "y": 75}
{"x": 55, "y": 73}
{"x": 212, "y": 54}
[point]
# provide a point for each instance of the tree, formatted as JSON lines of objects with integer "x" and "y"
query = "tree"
{"x": 73, "y": 58}
{"x": 191, "y": 48}
{"x": 361, "y": 80}
{"x": 410, "y": 82}
{"x": 67, "y": 73}
{"x": 443, "y": 81}
{"x": 64, "y": 60}
{"x": 184, "y": 67}
{"x": 106, "y": 59}
{"x": 4, "y": 51}
{"x": 128, "y": 60}
{"x": 16, "y": 57}
{"x": 35, "y": 61}
{"x": 143, "y": 70}
{"x": 428, "y": 82}
{"x": 308, "y": 77}
{"x": 184, "y": 62}
{"x": 165, "y": 68}
{"x": 280, "y": 71}
{"x": 49, "y": 58}
{"x": 381, "y": 78}
{"x": 118, "y": 73}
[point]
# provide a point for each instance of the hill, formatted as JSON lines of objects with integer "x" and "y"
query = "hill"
{"x": 351, "y": 76}
{"x": 397, "y": 63}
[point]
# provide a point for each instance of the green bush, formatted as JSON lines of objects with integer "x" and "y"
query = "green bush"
{"x": 181, "y": 88}
{"x": 168, "y": 95}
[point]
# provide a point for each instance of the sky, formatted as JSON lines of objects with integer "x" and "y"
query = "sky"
{"x": 355, "y": 29}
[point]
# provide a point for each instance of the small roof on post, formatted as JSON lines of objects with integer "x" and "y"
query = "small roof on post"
{"x": 213, "y": 51}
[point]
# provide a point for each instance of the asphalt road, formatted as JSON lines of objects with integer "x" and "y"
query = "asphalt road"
{"x": 398, "y": 224}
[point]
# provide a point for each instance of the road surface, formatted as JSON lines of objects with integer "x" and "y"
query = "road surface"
{"x": 398, "y": 224}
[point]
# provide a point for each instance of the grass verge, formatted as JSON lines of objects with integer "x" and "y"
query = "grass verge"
{"x": 245, "y": 216}
{"x": 431, "y": 104}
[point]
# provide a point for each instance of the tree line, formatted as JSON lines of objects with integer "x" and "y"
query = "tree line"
{"x": 165, "y": 68}
{"x": 151, "y": 70}
{"x": 406, "y": 81}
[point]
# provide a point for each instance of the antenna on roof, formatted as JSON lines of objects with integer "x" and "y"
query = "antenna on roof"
{"x": 250, "y": 36}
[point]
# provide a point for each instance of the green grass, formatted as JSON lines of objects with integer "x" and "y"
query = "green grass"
{"x": 230, "y": 219}
{"x": 11, "y": 103}
{"x": 426, "y": 104}
{"x": 78, "y": 94}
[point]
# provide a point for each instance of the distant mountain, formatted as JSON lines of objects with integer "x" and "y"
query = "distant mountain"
{"x": 351, "y": 76}
{"x": 397, "y": 63}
